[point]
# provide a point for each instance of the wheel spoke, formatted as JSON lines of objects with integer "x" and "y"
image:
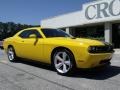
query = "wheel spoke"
{"x": 64, "y": 68}
{"x": 12, "y": 56}
{"x": 58, "y": 66}
{"x": 64, "y": 55}
{"x": 67, "y": 63}
{"x": 59, "y": 58}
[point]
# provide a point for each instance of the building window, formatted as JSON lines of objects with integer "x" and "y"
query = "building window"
{"x": 94, "y": 32}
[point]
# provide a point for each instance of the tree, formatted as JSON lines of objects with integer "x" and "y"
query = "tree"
{"x": 10, "y": 28}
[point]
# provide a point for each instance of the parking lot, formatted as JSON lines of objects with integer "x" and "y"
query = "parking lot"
{"x": 24, "y": 75}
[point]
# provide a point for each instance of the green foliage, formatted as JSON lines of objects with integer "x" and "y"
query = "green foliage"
{"x": 98, "y": 38}
{"x": 9, "y": 29}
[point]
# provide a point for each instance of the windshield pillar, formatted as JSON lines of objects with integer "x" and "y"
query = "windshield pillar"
{"x": 67, "y": 30}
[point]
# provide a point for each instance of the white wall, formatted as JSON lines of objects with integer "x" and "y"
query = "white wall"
{"x": 71, "y": 19}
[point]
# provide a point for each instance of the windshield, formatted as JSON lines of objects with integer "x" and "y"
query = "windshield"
{"x": 55, "y": 33}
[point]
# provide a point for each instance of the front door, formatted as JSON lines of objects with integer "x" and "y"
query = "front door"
{"x": 30, "y": 48}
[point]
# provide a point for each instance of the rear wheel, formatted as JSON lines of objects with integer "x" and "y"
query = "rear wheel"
{"x": 63, "y": 61}
{"x": 11, "y": 54}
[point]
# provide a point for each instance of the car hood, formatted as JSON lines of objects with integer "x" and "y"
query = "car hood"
{"x": 77, "y": 40}
{"x": 89, "y": 41}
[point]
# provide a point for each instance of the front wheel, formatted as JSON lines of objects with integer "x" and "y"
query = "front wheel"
{"x": 63, "y": 61}
{"x": 11, "y": 54}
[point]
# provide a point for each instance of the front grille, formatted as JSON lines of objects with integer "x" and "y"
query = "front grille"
{"x": 101, "y": 49}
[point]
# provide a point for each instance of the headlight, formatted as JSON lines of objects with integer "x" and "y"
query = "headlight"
{"x": 92, "y": 49}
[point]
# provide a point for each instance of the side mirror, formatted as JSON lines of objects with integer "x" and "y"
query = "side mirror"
{"x": 32, "y": 36}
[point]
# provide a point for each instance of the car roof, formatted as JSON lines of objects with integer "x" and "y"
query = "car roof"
{"x": 37, "y": 28}
{"x": 33, "y": 28}
{"x": 40, "y": 28}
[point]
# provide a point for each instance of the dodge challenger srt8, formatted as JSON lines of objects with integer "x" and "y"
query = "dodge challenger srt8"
{"x": 57, "y": 48}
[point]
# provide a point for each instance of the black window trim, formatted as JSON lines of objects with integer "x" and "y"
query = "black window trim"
{"x": 30, "y": 30}
{"x": 53, "y": 29}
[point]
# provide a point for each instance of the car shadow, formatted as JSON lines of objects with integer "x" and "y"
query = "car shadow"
{"x": 96, "y": 74}
{"x": 35, "y": 64}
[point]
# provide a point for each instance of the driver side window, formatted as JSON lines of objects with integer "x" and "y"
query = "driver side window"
{"x": 27, "y": 33}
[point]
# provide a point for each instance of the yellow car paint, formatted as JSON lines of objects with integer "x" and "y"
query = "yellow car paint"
{"x": 40, "y": 49}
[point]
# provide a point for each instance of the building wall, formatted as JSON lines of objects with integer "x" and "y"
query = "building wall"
{"x": 66, "y": 20}
{"x": 93, "y": 12}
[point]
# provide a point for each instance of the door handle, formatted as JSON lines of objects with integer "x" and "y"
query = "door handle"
{"x": 22, "y": 41}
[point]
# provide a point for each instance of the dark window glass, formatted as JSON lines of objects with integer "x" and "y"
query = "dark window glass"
{"x": 27, "y": 33}
{"x": 55, "y": 33}
{"x": 93, "y": 32}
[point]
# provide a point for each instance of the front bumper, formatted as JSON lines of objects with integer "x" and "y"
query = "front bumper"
{"x": 95, "y": 60}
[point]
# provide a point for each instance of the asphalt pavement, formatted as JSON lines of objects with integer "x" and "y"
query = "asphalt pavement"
{"x": 24, "y": 75}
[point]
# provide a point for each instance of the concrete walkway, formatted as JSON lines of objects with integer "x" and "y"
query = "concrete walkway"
{"x": 117, "y": 51}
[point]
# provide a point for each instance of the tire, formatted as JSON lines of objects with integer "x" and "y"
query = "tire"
{"x": 11, "y": 54}
{"x": 63, "y": 62}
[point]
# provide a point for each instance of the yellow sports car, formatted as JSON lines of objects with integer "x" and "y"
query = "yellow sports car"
{"x": 53, "y": 46}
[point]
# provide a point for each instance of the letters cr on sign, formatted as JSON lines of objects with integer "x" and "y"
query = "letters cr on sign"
{"x": 103, "y": 9}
